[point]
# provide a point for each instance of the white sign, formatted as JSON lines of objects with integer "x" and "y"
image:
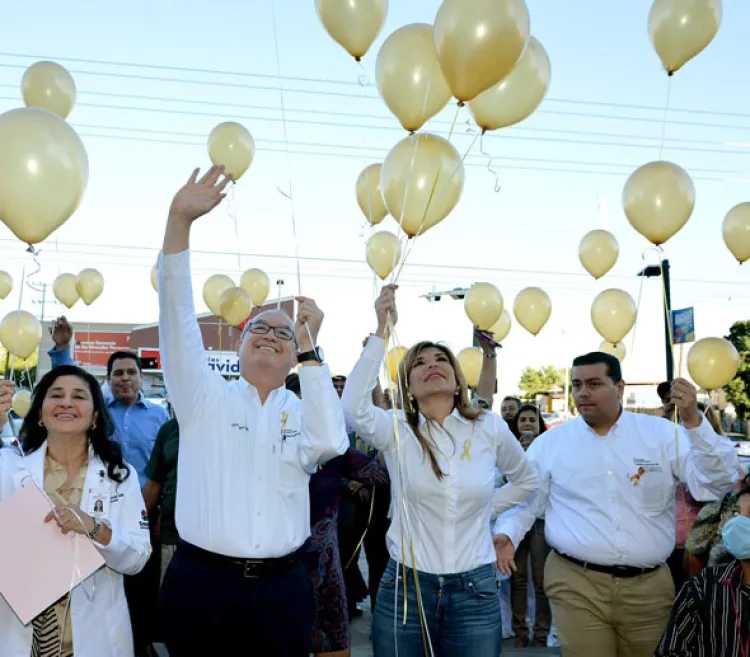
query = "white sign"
{"x": 223, "y": 362}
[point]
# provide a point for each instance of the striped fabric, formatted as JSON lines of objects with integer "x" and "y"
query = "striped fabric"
{"x": 47, "y": 635}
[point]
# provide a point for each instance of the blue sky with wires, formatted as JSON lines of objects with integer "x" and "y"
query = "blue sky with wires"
{"x": 154, "y": 78}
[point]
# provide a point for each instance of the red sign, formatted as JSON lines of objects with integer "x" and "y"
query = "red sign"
{"x": 93, "y": 349}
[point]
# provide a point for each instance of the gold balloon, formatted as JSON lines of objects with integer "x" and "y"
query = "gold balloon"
{"x": 64, "y": 289}
{"x": 89, "y": 284}
{"x": 409, "y": 77}
{"x": 516, "y": 97}
{"x": 21, "y": 403}
{"x": 422, "y": 180}
{"x": 49, "y": 86}
{"x": 658, "y": 199}
{"x": 257, "y": 284}
{"x": 735, "y": 230}
{"x": 6, "y": 284}
{"x": 213, "y": 288}
{"x": 17, "y": 363}
{"x": 231, "y": 145}
{"x": 532, "y": 309}
{"x": 393, "y": 360}
{"x": 613, "y": 314}
{"x": 680, "y": 29}
{"x": 501, "y": 327}
{"x": 470, "y": 360}
{"x": 353, "y": 24}
{"x": 478, "y": 42}
{"x": 369, "y": 197}
{"x": 383, "y": 253}
{"x": 713, "y": 363}
{"x": 483, "y": 305}
{"x": 20, "y": 333}
{"x": 235, "y": 305}
{"x": 43, "y": 172}
{"x": 155, "y": 278}
{"x": 598, "y": 252}
{"x": 617, "y": 350}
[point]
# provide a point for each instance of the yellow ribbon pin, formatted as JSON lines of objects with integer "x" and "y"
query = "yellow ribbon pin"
{"x": 466, "y": 454}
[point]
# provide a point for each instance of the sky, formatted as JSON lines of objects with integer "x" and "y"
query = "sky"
{"x": 154, "y": 78}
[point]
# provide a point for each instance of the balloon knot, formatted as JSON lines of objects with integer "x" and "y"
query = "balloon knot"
{"x": 461, "y": 103}
{"x": 357, "y": 59}
{"x": 670, "y": 73}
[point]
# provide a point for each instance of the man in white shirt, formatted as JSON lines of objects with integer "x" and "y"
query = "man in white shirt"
{"x": 247, "y": 449}
{"x": 607, "y": 488}
{"x": 6, "y": 400}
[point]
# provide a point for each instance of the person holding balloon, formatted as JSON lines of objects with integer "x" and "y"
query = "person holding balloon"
{"x": 441, "y": 454}
{"x": 607, "y": 492}
{"x": 6, "y": 400}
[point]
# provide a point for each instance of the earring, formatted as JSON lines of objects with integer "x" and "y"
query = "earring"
{"x": 40, "y": 423}
{"x": 93, "y": 425}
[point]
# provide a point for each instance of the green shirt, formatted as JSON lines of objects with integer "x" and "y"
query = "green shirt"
{"x": 162, "y": 468}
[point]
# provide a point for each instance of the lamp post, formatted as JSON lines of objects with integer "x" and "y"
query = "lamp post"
{"x": 662, "y": 271}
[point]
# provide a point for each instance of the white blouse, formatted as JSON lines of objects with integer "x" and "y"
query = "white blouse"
{"x": 446, "y": 521}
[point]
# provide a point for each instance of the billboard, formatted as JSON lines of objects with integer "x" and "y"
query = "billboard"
{"x": 93, "y": 348}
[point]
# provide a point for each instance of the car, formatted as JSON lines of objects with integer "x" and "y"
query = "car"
{"x": 553, "y": 419}
{"x": 742, "y": 445}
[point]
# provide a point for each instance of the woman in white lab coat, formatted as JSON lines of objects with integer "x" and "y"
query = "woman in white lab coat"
{"x": 442, "y": 464}
{"x": 68, "y": 452}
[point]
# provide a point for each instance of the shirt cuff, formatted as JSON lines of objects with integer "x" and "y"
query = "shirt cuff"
{"x": 314, "y": 376}
{"x": 176, "y": 265}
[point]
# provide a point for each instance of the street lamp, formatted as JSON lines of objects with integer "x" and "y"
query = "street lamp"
{"x": 662, "y": 271}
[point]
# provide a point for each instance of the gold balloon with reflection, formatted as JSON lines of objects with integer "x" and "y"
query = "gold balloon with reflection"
{"x": 422, "y": 180}
{"x": 213, "y": 288}
{"x": 21, "y": 403}
{"x": 478, "y": 42}
{"x": 383, "y": 253}
{"x": 64, "y": 289}
{"x": 369, "y": 197}
{"x": 393, "y": 360}
{"x": 598, "y": 252}
{"x": 43, "y": 172}
{"x": 409, "y": 77}
{"x": 532, "y": 309}
{"x": 470, "y": 360}
{"x": 501, "y": 327}
{"x": 257, "y": 284}
{"x": 483, "y": 304}
{"x": 20, "y": 333}
{"x": 89, "y": 285}
{"x": 49, "y": 86}
{"x": 658, "y": 199}
{"x": 235, "y": 305}
{"x": 617, "y": 350}
{"x": 231, "y": 145}
{"x": 735, "y": 230}
{"x": 6, "y": 284}
{"x": 613, "y": 314}
{"x": 681, "y": 29}
{"x": 517, "y": 96}
{"x": 353, "y": 24}
{"x": 713, "y": 363}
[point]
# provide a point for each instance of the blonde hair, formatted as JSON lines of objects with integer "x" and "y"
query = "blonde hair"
{"x": 461, "y": 400}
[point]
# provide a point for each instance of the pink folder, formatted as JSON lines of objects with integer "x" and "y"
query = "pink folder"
{"x": 39, "y": 562}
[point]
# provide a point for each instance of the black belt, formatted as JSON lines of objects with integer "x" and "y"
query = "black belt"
{"x": 615, "y": 571}
{"x": 254, "y": 568}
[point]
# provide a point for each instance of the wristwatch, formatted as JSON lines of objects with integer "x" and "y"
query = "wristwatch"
{"x": 316, "y": 354}
{"x": 97, "y": 528}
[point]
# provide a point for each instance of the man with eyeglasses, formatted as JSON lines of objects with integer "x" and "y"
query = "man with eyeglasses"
{"x": 247, "y": 449}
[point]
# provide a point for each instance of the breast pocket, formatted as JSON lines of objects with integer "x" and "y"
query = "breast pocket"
{"x": 655, "y": 492}
{"x": 289, "y": 473}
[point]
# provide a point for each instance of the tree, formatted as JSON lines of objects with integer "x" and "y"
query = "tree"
{"x": 738, "y": 390}
{"x": 535, "y": 381}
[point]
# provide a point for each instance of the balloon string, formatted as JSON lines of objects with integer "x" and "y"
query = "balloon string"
{"x": 12, "y": 372}
{"x": 489, "y": 163}
{"x": 232, "y": 212}
{"x": 638, "y": 305}
{"x": 35, "y": 257}
{"x": 290, "y": 195}
{"x": 666, "y": 113}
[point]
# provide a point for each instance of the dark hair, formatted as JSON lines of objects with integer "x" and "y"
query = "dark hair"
{"x": 663, "y": 389}
{"x": 122, "y": 355}
{"x": 519, "y": 403}
{"x": 526, "y": 408}
{"x": 745, "y": 490}
{"x": 614, "y": 371}
{"x": 338, "y": 377}
{"x": 292, "y": 383}
{"x": 100, "y": 440}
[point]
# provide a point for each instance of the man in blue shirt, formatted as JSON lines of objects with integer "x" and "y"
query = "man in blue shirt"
{"x": 137, "y": 421}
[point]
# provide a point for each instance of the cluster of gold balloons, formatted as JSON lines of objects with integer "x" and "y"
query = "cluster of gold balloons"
{"x": 20, "y": 333}
{"x": 19, "y": 364}
{"x": 231, "y": 145}
{"x": 6, "y": 284}
{"x": 87, "y": 286}
{"x": 484, "y": 306}
{"x": 235, "y": 303}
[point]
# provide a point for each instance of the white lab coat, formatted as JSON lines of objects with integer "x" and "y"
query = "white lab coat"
{"x": 101, "y": 627}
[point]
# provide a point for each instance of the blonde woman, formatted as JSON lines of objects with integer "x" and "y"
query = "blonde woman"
{"x": 442, "y": 462}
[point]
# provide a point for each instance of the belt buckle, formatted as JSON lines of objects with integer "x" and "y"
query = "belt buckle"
{"x": 248, "y": 570}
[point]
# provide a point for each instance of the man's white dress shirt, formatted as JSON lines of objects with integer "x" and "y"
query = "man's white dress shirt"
{"x": 447, "y": 521}
{"x": 243, "y": 467}
{"x": 609, "y": 500}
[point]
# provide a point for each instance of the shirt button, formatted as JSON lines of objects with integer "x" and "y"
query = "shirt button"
{"x": 609, "y": 472}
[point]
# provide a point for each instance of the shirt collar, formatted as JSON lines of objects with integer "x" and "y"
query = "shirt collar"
{"x": 617, "y": 428}
{"x": 141, "y": 401}
{"x": 455, "y": 414}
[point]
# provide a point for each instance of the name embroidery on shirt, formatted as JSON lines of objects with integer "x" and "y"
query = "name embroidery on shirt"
{"x": 466, "y": 454}
{"x": 644, "y": 466}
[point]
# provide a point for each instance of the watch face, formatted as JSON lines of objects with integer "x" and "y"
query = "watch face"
{"x": 321, "y": 355}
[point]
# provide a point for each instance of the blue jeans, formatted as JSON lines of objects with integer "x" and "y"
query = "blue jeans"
{"x": 462, "y": 614}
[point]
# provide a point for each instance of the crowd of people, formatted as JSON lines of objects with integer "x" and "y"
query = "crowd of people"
{"x": 235, "y": 526}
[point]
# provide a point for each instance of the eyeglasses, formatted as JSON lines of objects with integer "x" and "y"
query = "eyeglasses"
{"x": 281, "y": 332}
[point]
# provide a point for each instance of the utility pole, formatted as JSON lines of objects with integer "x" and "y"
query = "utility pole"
{"x": 662, "y": 271}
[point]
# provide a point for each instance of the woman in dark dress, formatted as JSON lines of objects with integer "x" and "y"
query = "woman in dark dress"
{"x": 330, "y": 626}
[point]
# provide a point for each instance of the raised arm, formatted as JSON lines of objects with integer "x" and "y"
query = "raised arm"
{"x": 62, "y": 335}
{"x": 488, "y": 375}
{"x": 186, "y": 375}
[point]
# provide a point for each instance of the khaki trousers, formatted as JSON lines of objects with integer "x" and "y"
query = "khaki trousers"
{"x": 600, "y": 615}
{"x": 167, "y": 552}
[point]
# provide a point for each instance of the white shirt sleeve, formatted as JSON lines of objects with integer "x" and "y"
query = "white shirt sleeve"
{"x": 374, "y": 425}
{"x": 516, "y": 522}
{"x": 707, "y": 462}
{"x": 511, "y": 461}
{"x": 323, "y": 427}
{"x": 188, "y": 378}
